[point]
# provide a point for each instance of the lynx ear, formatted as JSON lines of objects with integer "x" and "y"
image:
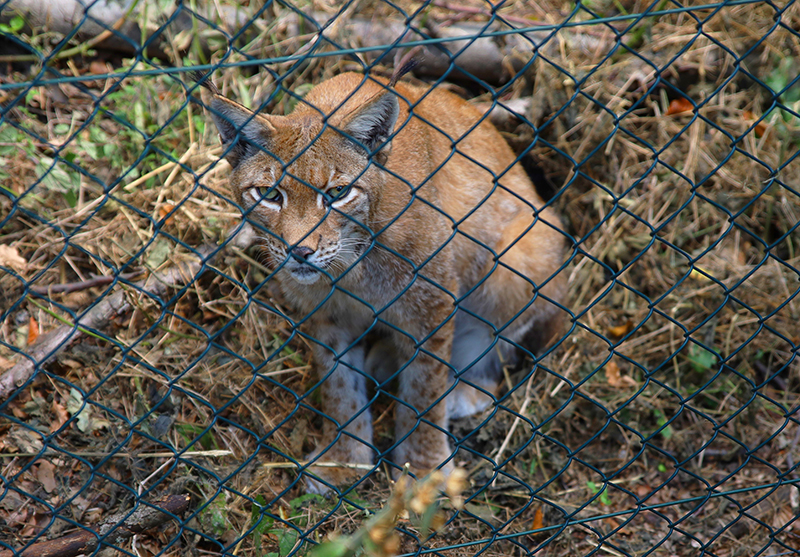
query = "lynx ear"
{"x": 372, "y": 124}
{"x": 242, "y": 132}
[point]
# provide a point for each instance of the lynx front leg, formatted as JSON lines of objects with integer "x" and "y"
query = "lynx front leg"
{"x": 421, "y": 409}
{"x": 347, "y": 428}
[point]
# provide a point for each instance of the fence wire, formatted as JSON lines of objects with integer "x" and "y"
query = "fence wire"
{"x": 150, "y": 358}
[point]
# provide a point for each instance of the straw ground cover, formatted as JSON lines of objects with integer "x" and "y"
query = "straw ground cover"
{"x": 675, "y": 172}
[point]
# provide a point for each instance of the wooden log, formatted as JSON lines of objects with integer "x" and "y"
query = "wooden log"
{"x": 116, "y": 529}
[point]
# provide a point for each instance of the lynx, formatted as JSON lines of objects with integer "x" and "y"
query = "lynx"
{"x": 412, "y": 246}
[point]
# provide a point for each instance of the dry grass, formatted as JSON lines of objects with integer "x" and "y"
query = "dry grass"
{"x": 685, "y": 243}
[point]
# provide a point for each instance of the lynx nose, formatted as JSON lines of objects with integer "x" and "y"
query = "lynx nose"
{"x": 302, "y": 252}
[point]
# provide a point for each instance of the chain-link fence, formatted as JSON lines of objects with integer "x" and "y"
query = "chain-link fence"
{"x": 557, "y": 255}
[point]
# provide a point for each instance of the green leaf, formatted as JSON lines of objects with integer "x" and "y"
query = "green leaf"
{"x": 701, "y": 359}
{"x": 91, "y": 149}
{"x": 71, "y": 197}
{"x": 190, "y": 431}
{"x": 214, "y": 516}
{"x": 158, "y": 253}
{"x": 297, "y": 502}
{"x": 16, "y": 24}
{"x": 661, "y": 420}
{"x": 287, "y": 538}
{"x": 55, "y": 177}
{"x": 604, "y": 498}
{"x": 258, "y": 505}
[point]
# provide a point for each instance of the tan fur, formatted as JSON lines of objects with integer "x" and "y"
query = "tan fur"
{"x": 410, "y": 278}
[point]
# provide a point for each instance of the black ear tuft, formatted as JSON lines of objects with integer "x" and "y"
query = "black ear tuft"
{"x": 372, "y": 124}
{"x": 242, "y": 132}
{"x": 202, "y": 79}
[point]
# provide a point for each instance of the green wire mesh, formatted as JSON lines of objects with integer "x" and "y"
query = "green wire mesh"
{"x": 662, "y": 420}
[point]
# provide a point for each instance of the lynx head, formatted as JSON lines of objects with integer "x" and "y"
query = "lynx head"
{"x": 309, "y": 179}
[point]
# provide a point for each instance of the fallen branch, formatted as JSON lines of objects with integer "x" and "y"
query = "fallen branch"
{"x": 97, "y": 317}
{"x": 114, "y": 530}
{"x": 76, "y": 286}
{"x": 495, "y": 59}
{"x": 101, "y": 23}
{"x": 82, "y": 48}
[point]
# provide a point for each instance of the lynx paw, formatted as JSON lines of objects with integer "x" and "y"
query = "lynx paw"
{"x": 421, "y": 464}
{"x": 339, "y": 470}
{"x": 466, "y": 400}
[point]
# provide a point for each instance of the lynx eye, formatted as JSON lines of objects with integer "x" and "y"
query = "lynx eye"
{"x": 269, "y": 194}
{"x": 339, "y": 192}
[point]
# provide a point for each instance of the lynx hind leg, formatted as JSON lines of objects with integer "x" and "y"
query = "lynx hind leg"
{"x": 347, "y": 428}
{"x": 504, "y": 300}
{"x": 478, "y": 367}
{"x": 535, "y": 258}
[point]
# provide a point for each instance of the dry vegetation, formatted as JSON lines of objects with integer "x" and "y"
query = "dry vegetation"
{"x": 673, "y": 391}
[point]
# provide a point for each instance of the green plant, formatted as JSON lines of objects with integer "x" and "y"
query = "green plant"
{"x": 661, "y": 420}
{"x": 701, "y": 359}
{"x": 214, "y": 516}
{"x": 14, "y": 25}
{"x": 604, "y": 499}
{"x": 784, "y": 119}
{"x": 285, "y": 536}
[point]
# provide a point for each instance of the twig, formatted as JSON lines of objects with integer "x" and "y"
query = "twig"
{"x": 81, "y": 285}
{"x": 97, "y": 317}
{"x": 142, "y": 179}
{"x": 114, "y": 530}
{"x": 300, "y": 463}
{"x": 100, "y": 454}
{"x": 517, "y": 420}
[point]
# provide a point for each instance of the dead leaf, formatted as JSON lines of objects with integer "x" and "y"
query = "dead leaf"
{"x": 164, "y": 210}
{"x": 46, "y": 475}
{"x": 98, "y": 67}
{"x": 10, "y": 257}
{"x": 5, "y": 364}
{"x": 33, "y": 330}
{"x": 621, "y": 330}
{"x": 298, "y": 436}
{"x": 19, "y": 517}
{"x": 88, "y": 422}
{"x": 760, "y": 128}
{"x": 538, "y": 519}
{"x": 616, "y": 379}
{"x": 679, "y": 106}
{"x": 61, "y": 416}
{"x": 24, "y": 440}
{"x": 19, "y": 411}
